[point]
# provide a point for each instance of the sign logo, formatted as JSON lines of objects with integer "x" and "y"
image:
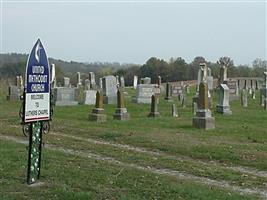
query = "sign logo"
{"x": 37, "y": 52}
{"x": 37, "y": 85}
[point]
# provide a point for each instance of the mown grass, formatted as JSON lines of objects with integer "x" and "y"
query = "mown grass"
{"x": 70, "y": 177}
{"x": 238, "y": 140}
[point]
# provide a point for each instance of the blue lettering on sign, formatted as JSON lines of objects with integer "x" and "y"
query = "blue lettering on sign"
{"x": 37, "y": 70}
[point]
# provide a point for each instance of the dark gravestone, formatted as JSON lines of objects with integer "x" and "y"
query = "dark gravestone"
{"x": 121, "y": 112}
{"x": 203, "y": 118}
{"x": 168, "y": 92}
{"x": 154, "y": 107}
{"x": 98, "y": 113}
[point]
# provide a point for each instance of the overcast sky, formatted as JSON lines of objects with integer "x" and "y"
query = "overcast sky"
{"x": 132, "y": 32}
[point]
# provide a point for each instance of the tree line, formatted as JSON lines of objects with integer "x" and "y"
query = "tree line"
{"x": 178, "y": 70}
{"x": 175, "y": 69}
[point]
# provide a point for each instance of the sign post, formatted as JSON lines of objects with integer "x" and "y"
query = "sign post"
{"x": 36, "y": 107}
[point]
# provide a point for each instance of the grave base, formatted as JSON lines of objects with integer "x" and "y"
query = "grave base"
{"x": 154, "y": 114}
{"x": 98, "y": 115}
{"x": 121, "y": 114}
{"x": 225, "y": 110}
{"x": 13, "y": 97}
{"x": 203, "y": 120}
{"x": 66, "y": 103}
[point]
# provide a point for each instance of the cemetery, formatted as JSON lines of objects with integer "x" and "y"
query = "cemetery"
{"x": 133, "y": 100}
{"x": 148, "y": 133}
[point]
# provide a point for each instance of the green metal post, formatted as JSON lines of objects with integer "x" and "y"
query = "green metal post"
{"x": 34, "y": 154}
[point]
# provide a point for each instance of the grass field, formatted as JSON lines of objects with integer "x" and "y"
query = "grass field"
{"x": 143, "y": 158}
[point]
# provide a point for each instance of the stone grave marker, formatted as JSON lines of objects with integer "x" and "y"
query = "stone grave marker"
{"x": 122, "y": 82}
{"x": 144, "y": 93}
{"x": 168, "y": 92}
{"x": 146, "y": 80}
{"x": 203, "y": 118}
{"x": 64, "y": 96}
{"x": 98, "y": 113}
{"x": 244, "y": 98}
{"x": 223, "y": 106}
{"x": 87, "y": 85}
{"x": 174, "y": 111}
{"x": 253, "y": 96}
{"x": 110, "y": 89}
{"x": 92, "y": 81}
{"x": 66, "y": 82}
{"x": 154, "y": 107}
{"x": 101, "y": 83}
{"x": 121, "y": 111}
{"x": 177, "y": 89}
{"x": 135, "y": 82}
{"x": 79, "y": 83}
{"x": 89, "y": 97}
{"x": 263, "y": 90}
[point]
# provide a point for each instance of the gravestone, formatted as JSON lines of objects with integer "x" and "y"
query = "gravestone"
{"x": 110, "y": 89}
{"x": 98, "y": 113}
{"x": 250, "y": 91}
{"x": 53, "y": 76}
{"x": 194, "y": 104}
{"x": 66, "y": 82}
{"x": 203, "y": 73}
{"x": 223, "y": 106}
{"x": 121, "y": 111}
{"x": 15, "y": 91}
{"x": 210, "y": 82}
{"x": 92, "y": 81}
{"x": 87, "y": 85}
{"x": 174, "y": 111}
{"x": 203, "y": 118}
{"x": 253, "y": 95}
{"x": 263, "y": 90}
{"x": 233, "y": 89}
{"x": 225, "y": 63}
{"x": 159, "y": 80}
{"x": 184, "y": 98}
{"x": 101, "y": 83}
{"x": 146, "y": 80}
{"x": 122, "y": 82}
{"x": 154, "y": 107}
{"x": 64, "y": 96}
{"x": 89, "y": 97}
{"x": 168, "y": 92}
{"x": 117, "y": 81}
{"x": 144, "y": 93}
{"x": 244, "y": 98}
{"x": 79, "y": 95}
{"x": 79, "y": 83}
{"x": 135, "y": 82}
{"x": 177, "y": 89}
